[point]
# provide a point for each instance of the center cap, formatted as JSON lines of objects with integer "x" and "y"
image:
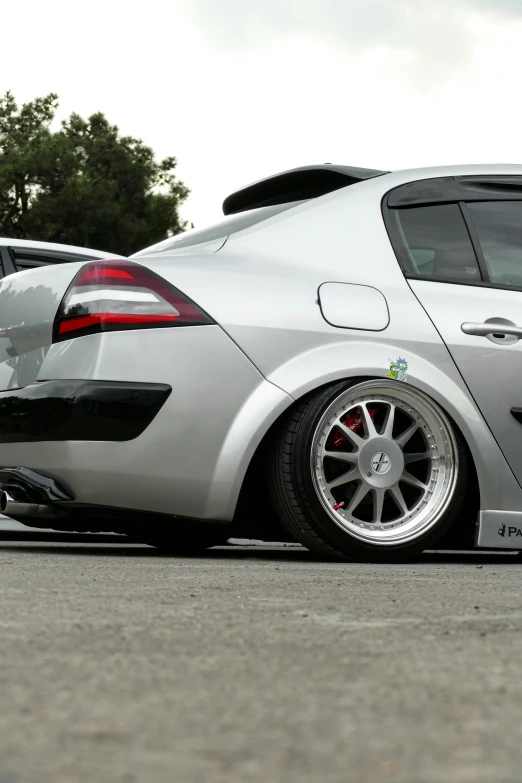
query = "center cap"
{"x": 380, "y": 462}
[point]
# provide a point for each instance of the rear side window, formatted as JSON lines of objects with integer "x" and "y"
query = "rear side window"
{"x": 23, "y": 258}
{"x": 29, "y": 263}
{"x": 499, "y": 230}
{"x": 436, "y": 244}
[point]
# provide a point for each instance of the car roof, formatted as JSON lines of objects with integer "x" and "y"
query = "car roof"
{"x": 457, "y": 170}
{"x": 326, "y": 181}
{"x": 30, "y": 244}
{"x": 378, "y": 187}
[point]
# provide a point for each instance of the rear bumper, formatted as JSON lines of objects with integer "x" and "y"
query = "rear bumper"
{"x": 42, "y": 502}
{"x": 190, "y": 460}
{"x": 79, "y": 410}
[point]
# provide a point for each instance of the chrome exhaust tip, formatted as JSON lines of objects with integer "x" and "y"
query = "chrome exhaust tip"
{"x": 5, "y": 500}
{"x": 11, "y": 506}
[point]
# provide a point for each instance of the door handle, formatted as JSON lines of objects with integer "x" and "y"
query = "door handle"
{"x": 492, "y": 327}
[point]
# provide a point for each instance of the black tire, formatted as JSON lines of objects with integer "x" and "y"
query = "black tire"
{"x": 295, "y": 497}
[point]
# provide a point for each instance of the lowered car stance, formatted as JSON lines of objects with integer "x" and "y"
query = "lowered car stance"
{"x": 336, "y": 363}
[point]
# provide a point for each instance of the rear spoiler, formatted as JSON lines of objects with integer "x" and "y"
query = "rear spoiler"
{"x": 296, "y": 185}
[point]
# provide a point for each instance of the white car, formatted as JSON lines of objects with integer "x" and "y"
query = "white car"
{"x": 18, "y": 255}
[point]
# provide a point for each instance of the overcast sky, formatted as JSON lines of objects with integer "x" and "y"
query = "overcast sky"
{"x": 240, "y": 89}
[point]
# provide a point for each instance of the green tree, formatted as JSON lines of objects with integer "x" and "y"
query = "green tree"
{"x": 83, "y": 184}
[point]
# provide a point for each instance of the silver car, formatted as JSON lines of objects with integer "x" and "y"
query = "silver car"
{"x": 335, "y": 363}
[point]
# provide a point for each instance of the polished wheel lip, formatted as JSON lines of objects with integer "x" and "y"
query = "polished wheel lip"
{"x": 437, "y": 492}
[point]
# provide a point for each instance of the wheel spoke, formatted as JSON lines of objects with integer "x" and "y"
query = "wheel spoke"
{"x": 370, "y": 426}
{"x": 360, "y": 494}
{"x": 390, "y": 419}
{"x": 342, "y": 456}
{"x": 406, "y": 435}
{"x": 344, "y": 479}
{"x": 415, "y": 482}
{"x": 399, "y": 498}
{"x": 416, "y": 457}
{"x": 355, "y": 439}
{"x": 378, "y": 502}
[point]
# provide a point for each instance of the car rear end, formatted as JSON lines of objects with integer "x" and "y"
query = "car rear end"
{"x": 117, "y": 395}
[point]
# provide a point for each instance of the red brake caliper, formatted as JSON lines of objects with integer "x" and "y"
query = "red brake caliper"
{"x": 353, "y": 422}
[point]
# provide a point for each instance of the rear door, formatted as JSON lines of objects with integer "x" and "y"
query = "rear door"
{"x": 460, "y": 246}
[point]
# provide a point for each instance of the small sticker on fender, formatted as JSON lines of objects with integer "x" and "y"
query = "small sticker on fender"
{"x": 398, "y": 369}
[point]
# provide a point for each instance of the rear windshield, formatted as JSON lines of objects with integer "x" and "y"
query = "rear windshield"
{"x": 229, "y": 225}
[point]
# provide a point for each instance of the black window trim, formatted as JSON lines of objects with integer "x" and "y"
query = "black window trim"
{"x": 449, "y": 190}
{"x": 59, "y": 256}
{"x": 6, "y": 267}
{"x": 461, "y": 201}
{"x": 475, "y": 243}
{"x": 41, "y": 257}
{"x": 453, "y": 281}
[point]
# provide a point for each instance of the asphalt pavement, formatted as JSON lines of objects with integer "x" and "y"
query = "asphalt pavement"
{"x": 120, "y": 664}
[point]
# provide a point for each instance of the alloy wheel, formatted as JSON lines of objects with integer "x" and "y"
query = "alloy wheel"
{"x": 384, "y": 462}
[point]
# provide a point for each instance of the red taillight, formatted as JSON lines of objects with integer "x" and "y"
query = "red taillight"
{"x": 113, "y": 295}
{"x": 90, "y": 274}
